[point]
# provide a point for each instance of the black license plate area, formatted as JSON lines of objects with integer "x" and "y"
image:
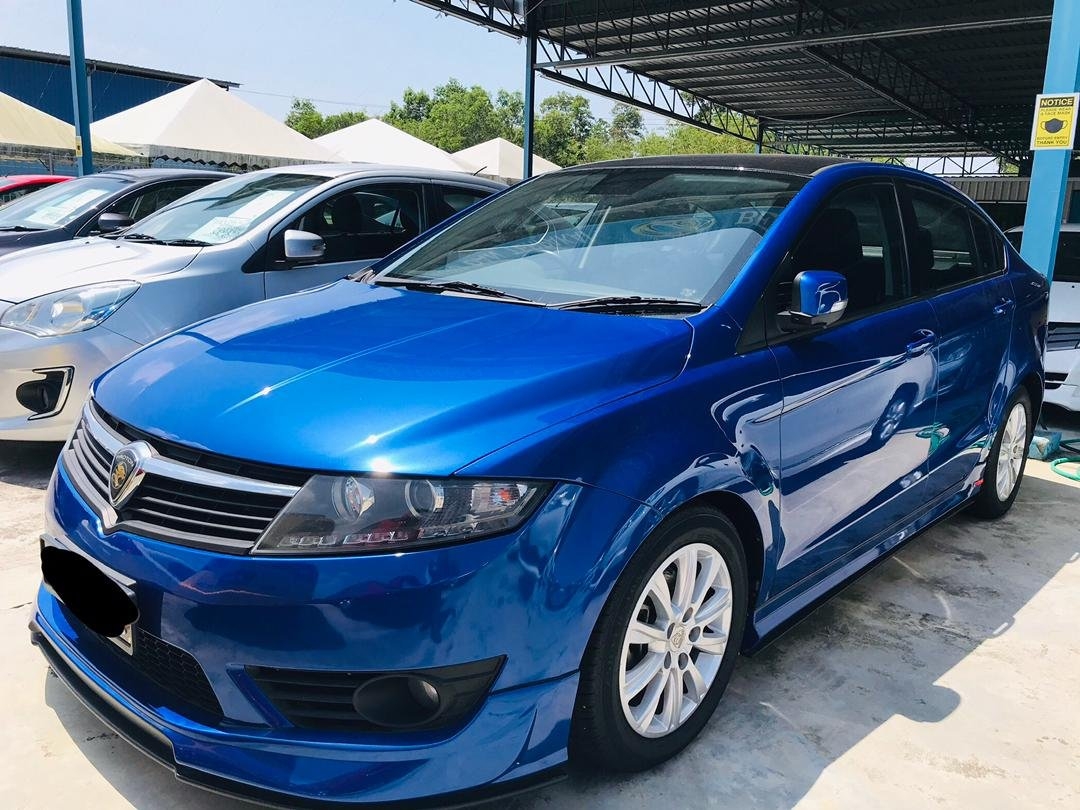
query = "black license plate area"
{"x": 95, "y": 599}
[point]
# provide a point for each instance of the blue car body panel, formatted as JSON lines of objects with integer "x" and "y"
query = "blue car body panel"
{"x": 631, "y": 417}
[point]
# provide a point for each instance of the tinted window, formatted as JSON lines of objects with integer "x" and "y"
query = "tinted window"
{"x": 991, "y": 253}
{"x": 857, "y": 234}
{"x": 453, "y": 199}
{"x": 652, "y": 232}
{"x": 366, "y": 222}
{"x": 56, "y": 206}
{"x": 15, "y": 193}
{"x": 1067, "y": 264}
{"x": 940, "y": 245}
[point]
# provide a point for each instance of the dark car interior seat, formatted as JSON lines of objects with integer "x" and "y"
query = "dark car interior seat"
{"x": 835, "y": 243}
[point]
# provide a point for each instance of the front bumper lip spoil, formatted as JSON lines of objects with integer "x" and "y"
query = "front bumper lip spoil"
{"x": 158, "y": 741}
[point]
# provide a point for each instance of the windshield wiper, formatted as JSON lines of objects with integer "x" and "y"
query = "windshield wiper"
{"x": 19, "y": 228}
{"x": 142, "y": 237}
{"x": 631, "y": 303}
{"x": 187, "y": 243}
{"x": 454, "y": 286}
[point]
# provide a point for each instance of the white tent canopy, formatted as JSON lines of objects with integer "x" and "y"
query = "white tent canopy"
{"x": 203, "y": 123}
{"x": 374, "y": 141}
{"x": 503, "y": 160}
{"x": 24, "y": 126}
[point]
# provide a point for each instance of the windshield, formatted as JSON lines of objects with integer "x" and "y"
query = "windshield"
{"x": 56, "y": 206}
{"x": 651, "y": 232}
{"x": 224, "y": 210}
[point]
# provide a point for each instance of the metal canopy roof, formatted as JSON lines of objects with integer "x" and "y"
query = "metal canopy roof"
{"x": 861, "y": 78}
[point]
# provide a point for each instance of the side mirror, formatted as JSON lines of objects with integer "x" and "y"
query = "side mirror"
{"x": 818, "y": 298}
{"x": 303, "y": 246}
{"x": 107, "y": 223}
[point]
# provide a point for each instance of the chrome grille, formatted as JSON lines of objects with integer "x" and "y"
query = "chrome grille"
{"x": 176, "y": 502}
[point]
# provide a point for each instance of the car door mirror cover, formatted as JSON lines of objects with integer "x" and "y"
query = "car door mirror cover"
{"x": 819, "y": 298}
{"x": 110, "y": 222}
{"x": 304, "y": 246}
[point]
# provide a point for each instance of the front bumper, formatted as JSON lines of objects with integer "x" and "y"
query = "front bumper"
{"x": 1063, "y": 379}
{"x": 23, "y": 356}
{"x": 531, "y": 596}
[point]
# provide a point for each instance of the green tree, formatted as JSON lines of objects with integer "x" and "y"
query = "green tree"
{"x": 459, "y": 117}
{"x": 627, "y": 123}
{"x": 563, "y": 127}
{"x": 306, "y": 119}
{"x": 510, "y": 114}
{"x": 411, "y": 112}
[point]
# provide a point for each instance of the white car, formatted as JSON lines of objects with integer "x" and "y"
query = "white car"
{"x": 1063, "y": 338}
{"x": 71, "y": 310}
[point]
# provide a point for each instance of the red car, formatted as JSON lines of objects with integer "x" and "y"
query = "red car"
{"x": 14, "y": 186}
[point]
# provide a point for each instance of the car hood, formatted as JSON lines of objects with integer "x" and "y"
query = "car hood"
{"x": 352, "y": 377}
{"x": 76, "y": 262}
{"x": 11, "y": 241}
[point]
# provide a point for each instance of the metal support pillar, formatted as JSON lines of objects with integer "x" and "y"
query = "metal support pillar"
{"x": 1050, "y": 168}
{"x": 530, "y": 92}
{"x": 80, "y": 92}
{"x": 759, "y": 141}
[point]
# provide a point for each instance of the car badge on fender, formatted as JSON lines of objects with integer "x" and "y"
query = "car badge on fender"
{"x": 126, "y": 472}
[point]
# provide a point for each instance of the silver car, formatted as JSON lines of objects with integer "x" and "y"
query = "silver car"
{"x": 69, "y": 311}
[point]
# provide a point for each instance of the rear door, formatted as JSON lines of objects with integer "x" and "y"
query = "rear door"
{"x": 858, "y": 395}
{"x": 958, "y": 264}
{"x": 359, "y": 224}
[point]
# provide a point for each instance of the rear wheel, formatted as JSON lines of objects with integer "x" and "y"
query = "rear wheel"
{"x": 1007, "y": 459}
{"x": 665, "y": 645}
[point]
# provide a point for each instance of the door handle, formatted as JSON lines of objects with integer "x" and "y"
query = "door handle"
{"x": 923, "y": 341}
{"x": 1004, "y": 306}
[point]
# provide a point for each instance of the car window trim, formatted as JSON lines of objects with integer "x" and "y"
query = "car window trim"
{"x": 147, "y": 187}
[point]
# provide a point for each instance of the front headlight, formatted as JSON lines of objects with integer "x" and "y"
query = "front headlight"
{"x": 355, "y": 514}
{"x": 67, "y": 311}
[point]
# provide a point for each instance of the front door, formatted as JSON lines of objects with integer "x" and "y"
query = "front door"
{"x": 857, "y": 396}
{"x": 359, "y": 226}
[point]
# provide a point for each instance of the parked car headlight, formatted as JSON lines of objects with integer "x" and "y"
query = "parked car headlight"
{"x": 67, "y": 311}
{"x": 355, "y": 514}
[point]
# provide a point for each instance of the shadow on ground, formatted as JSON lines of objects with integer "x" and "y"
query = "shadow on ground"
{"x": 873, "y": 653}
{"x": 27, "y": 464}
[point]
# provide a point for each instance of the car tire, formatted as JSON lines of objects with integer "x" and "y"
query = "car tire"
{"x": 690, "y": 660}
{"x": 1006, "y": 468}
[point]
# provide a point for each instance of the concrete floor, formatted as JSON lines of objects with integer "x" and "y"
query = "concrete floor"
{"x": 946, "y": 677}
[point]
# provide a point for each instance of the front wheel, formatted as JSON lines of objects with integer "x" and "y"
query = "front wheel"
{"x": 1007, "y": 459}
{"x": 665, "y": 645}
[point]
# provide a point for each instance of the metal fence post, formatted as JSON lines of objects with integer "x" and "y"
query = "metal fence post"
{"x": 80, "y": 94}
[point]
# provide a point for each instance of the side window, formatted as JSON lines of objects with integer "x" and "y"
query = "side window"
{"x": 941, "y": 245}
{"x": 1067, "y": 263}
{"x": 856, "y": 234}
{"x": 146, "y": 201}
{"x": 991, "y": 252}
{"x": 366, "y": 222}
{"x": 452, "y": 199}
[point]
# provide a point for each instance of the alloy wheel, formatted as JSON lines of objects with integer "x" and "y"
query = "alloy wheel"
{"x": 1012, "y": 451}
{"x": 676, "y": 639}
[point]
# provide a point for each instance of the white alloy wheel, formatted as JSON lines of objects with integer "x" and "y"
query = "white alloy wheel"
{"x": 1014, "y": 446}
{"x": 676, "y": 639}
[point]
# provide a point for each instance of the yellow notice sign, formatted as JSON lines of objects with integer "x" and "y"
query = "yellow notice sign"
{"x": 78, "y": 146}
{"x": 1055, "y": 121}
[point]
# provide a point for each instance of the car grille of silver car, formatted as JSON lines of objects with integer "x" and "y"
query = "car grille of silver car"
{"x": 192, "y": 504}
{"x": 1062, "y": 337}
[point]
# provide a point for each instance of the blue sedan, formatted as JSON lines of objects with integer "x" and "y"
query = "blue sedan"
{"x": 523, "y": 493}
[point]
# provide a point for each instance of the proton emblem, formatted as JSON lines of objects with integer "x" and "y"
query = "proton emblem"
{"x": 127, "y": 471}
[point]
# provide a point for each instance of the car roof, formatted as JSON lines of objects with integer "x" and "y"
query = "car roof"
{"x": 337, "y": 170}
{"x": 804, "y": 165}
{"x": 144, "y": 175}
{"x": 32, "y": 178}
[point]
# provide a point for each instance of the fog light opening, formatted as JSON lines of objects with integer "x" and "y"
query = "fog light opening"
{"x": 398, "y": 701}
{"x": 46, "y": 396}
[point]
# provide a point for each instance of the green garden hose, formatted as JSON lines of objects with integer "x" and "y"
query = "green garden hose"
{"x": 1058, "y": 465}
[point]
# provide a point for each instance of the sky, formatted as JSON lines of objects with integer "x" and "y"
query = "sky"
{"x": 342, "y": 54}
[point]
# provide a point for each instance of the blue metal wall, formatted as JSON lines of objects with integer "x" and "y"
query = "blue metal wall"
{"x": 47, "y": 86}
